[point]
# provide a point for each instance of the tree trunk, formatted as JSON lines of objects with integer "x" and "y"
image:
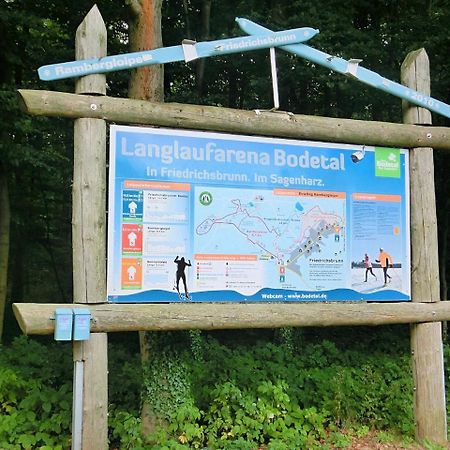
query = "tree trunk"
{"x": 200, "y": 69}
{"x": 146, "y": 83}
{"x": 443, "y": 247}
{"x": 4, "y": 243}
{"x": 187, "y": 20}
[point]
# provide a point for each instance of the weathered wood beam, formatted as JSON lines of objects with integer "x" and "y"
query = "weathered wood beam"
{"x": 36, "y": 318}
{"x": 122, "y": 110}
{"x": 89, "y": 243}
{"x": 426, "y": 338}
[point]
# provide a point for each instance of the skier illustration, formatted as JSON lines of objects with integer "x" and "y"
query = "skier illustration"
{"x": 368, "y": 266}
{"x": 386, "y": 261}
{"x": 181, "y": 266}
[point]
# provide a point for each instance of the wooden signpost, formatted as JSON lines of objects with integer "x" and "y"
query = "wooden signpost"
{"x": 89, "y": 243}
{"x": 426, "y": 342}
{"x": 91, "y": 110}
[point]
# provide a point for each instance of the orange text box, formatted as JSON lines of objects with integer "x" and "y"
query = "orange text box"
{"x": 131, "y": 184}
{"x": 376, "y": 197}
{"x": 306, "y": 193}
{"x": 131, "y": 273}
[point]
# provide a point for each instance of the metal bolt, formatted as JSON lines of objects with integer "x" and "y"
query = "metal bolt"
{"x": 93, "y": 106}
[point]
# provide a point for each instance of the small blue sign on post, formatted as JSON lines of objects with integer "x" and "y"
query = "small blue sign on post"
{"x": 63, "y": 324}
{"x": 81, "y": 324}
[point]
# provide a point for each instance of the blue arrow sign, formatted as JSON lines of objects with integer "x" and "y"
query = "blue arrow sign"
{"x": 353, "y": 69}
{"x": 188, "y": 51}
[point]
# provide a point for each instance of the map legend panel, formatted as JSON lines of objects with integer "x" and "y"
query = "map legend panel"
{"x": 228, "y": 271}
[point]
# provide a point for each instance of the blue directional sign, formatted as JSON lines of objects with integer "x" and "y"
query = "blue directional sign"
{"x": 188, "y": 51}
{"x": 353, "y": 69}
{"x": 260, "y": 37}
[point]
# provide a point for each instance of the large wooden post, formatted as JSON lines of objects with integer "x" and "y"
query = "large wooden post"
{"x": 426, "y": 339}
{"x": 89, "y": 235}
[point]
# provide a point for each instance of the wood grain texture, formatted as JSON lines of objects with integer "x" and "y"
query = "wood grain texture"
{"x": 88, "y": 211}
{"x": 211, "y": 118}
{"x": 91, "y": 42}
{"x": 426, "y": 339}
{"x": 36, "y": 318}
{"x": 89, "y": 234}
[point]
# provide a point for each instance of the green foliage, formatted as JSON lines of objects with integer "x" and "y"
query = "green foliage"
{"x": 36, "y": 395}
{"x": 126, "y": 430}
{"x": 317, "y": 393}
{"x": 35, "y": 406}
{"x": 244, "y": 419}
{"x": 37, "y": 152}
{"x": 262, "y": 415}
{"x": 373, "y": 389}
{"x": 283, "y": 396}
{"x": 167, "y": 382}
{"x": 428, "y": 445}
{"x": 196, "y": 340}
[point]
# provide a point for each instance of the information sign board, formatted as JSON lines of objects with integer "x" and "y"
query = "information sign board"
{"x": 209, "y": 217}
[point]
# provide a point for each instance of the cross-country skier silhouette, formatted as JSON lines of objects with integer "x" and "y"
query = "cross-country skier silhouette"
{"x": 181, "y": 266}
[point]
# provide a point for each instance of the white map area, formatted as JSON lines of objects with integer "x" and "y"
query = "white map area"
{"x": 304, "y": 235}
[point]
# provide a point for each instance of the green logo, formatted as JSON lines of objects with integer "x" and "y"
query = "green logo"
{"x": 387, "y": 162}
{"x": 205, "y": 198}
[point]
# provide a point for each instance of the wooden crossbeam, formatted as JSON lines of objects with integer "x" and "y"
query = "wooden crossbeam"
{"x": 211, "y": 118}
{"x": 37, "y": 318}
